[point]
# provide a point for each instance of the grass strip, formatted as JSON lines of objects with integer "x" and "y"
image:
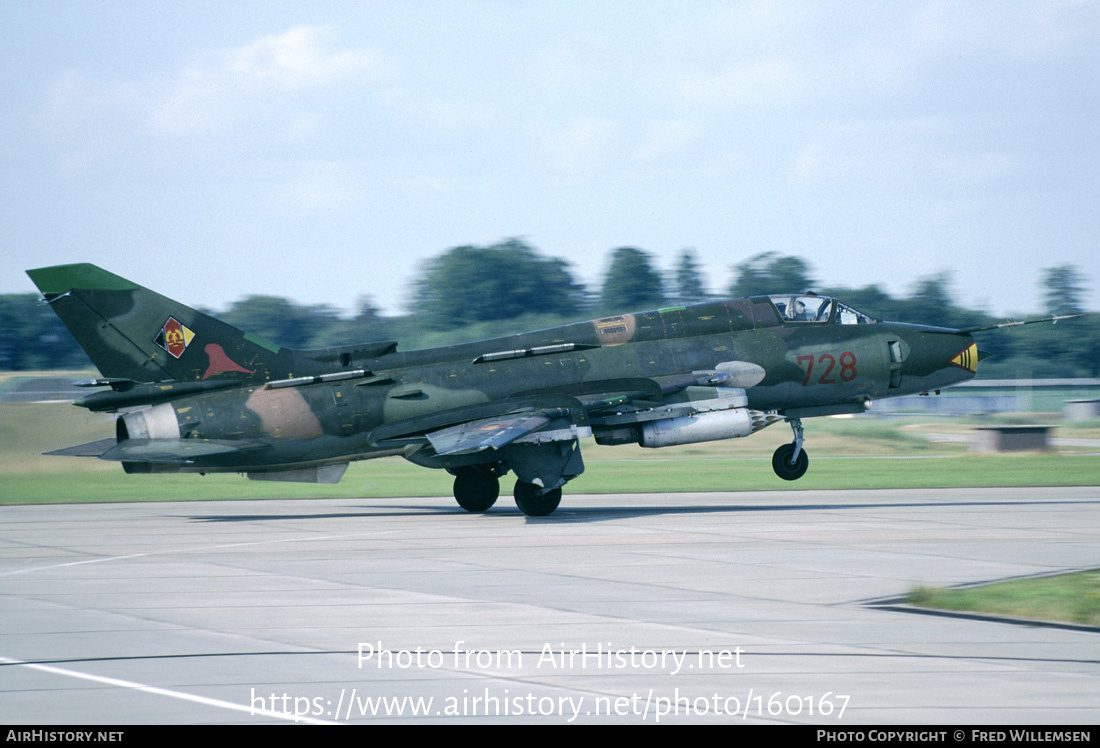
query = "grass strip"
{"x": 394, "y": 477}
{"x": 1072, "y": 598}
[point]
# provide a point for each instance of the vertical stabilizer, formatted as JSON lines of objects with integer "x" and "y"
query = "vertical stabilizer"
{"x": 130, "y": 332}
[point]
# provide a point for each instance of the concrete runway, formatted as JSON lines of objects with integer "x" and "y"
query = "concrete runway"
{"x": 678, "y": 607}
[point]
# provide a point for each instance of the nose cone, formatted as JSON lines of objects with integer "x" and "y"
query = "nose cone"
{"x": 939, "y": 358}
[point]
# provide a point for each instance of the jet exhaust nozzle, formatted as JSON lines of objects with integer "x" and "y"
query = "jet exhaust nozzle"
{"x": 158, "y": 422}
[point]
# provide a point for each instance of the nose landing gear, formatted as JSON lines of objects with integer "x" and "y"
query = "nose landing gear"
{"x": 791, "y": 461}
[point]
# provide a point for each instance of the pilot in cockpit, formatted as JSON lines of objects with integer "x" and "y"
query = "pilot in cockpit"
{"x": 796, "y": 312}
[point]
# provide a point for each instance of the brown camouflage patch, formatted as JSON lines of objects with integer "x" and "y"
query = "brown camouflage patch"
{"x": 284, "y": 414}
{"x": 612, "y": 331}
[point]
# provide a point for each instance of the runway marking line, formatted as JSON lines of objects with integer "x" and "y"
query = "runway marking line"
{"x": 199, "y": 549}
{"x": 181, "y": 695}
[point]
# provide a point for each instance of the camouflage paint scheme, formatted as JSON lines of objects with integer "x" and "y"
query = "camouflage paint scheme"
{"x": 197, "y": 395}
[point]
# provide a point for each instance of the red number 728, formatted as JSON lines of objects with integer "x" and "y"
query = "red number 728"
{"x": 847, "y": 367}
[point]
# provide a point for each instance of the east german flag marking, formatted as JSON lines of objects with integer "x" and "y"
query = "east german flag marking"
{"x": 174, "y": 337}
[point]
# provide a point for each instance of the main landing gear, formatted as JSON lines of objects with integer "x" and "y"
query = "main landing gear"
{"x": 477, "y": 488}
{"x": 790, "y": 461}
{"x": 533, "y": 503}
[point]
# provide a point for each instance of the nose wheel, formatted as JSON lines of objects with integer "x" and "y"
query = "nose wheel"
{"x": 791, "y": 461}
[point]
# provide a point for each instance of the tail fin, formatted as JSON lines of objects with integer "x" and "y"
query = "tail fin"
{"x": 130, "y": 332}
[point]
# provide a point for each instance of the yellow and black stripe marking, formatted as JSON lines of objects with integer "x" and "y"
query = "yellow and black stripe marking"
{"x": 967, "y": 358}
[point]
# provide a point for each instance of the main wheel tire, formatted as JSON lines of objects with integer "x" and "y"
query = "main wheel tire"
{"x": 531, "y": 503}
{"x": 475, "y": 489}
{"x": 784, "y": 468}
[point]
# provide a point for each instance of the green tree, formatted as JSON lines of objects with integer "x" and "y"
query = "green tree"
{"x": 931, "y": 303}
{"x": 1064, "y": 287}
{"x": 870, "y": 299}
{"x": 931, "y": 299}
{"x": 631, "y": 283}
{"x": 688, "y": 281}
{"x": 279, "y": 320}
{"x": 469, "y": 284}
{"x": 769, "y": 273}
{"x": 368, "y": 324}
{"x": 1070, "y": 347}
{"x": 32, "y": 336}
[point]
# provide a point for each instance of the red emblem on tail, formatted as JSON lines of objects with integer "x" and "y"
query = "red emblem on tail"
{"x": 174, "y": 337}
{"x": 220, "y": 361}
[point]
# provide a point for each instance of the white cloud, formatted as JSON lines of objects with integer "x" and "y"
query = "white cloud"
{"x": 428, "y": 186}
{"x": 75, "y": 97}
{"x": 312, "y": 186}
{"x": 88, "y": 118}
{"x": 436, "y": 112}
{"x": 581, "y": 145}
{"x": 896, "y": 152}
{"x": 298, "y": 58}
{"x": 751, "y": 82}
{"x": 224, "y": 87}
{"x": 810, "y": 164}
{"x": 667, "y": 138}
{"x": 268, "y": 81}
{"x": 1019, "y": 29}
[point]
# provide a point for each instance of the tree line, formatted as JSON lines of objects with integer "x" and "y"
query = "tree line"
{"x": 470, "y": 292}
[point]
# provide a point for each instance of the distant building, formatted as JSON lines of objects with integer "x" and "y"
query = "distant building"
{"x": 980, "y": 396}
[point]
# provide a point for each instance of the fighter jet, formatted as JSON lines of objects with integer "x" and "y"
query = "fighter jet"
{"x": 197, "y": 395}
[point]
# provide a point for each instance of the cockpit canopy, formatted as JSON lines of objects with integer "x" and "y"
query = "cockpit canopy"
{"x": 810, "y": 308}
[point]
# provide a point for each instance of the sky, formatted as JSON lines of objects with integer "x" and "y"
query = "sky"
{"x": 324, "y": 151}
